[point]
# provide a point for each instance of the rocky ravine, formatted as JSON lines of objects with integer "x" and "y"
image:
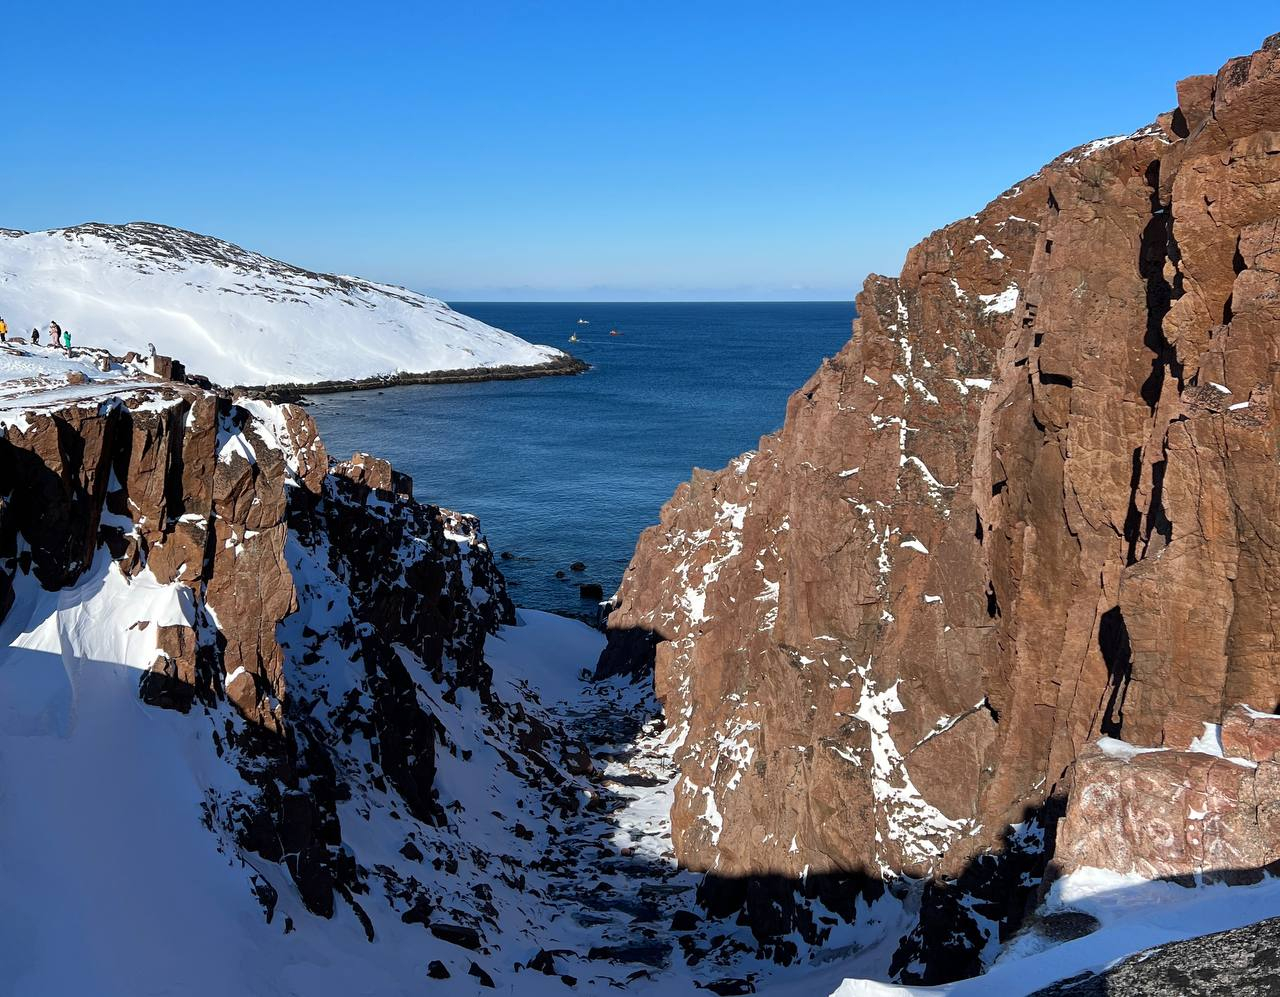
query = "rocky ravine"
{"x": 328, "y": 783}
{"x": 272, "y": 697}
{"x": 1030, "y": 504}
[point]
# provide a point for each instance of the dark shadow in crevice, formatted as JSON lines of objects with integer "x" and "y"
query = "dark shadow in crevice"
{"x": 1113, "y": 642}
{"x": 1158, "y": 247}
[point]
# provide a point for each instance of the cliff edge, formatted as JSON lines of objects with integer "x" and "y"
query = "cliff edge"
{"x": 1028, "y": 506}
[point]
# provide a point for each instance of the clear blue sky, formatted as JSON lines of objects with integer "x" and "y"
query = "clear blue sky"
{"x": 604, "y": 150}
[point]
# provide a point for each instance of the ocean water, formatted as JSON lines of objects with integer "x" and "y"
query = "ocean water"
{"x": 565, "y": 469}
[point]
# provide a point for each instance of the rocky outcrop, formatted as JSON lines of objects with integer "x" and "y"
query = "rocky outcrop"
{"x": 346, "y": 714}
{"x": 291, "y": 570}
{"x": 1237, "y": 963}
{"x": 1028, "y": 505}
{"x": 1210, "y": 809}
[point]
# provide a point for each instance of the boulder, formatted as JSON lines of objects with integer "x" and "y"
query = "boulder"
{"x": 457, "y": 934}
{"x": 1241, "y": 962}
{"x": 375, "y": 473}
{"x": 168, "y": 369}
{"x": 1164, "y": 813}
{"x": 685, "y": 920}
{"x": 437, "y": 970}
{"x": 543, "y": 962}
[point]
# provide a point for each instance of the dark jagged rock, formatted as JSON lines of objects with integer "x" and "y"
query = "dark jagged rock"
{"x": 544, "y": 962}
{"x": 1244, "y": 962}
{"x": 437, "y": 970}
{"x": 731, "y": 987}
{"x": 457, "y": 934}
{"x": 685, "y": 920}
{"x": 485, "y": 979}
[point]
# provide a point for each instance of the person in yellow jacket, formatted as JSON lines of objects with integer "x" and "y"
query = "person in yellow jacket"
{"x": 4, "y": 332}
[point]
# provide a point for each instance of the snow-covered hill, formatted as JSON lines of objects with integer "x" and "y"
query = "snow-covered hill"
{"x": 235, "y": 316}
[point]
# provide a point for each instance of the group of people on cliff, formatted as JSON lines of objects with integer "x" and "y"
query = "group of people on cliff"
{"x": 59, "y": 338}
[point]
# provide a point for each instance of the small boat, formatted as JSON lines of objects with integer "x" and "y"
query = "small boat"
{"x": 573, "y": 338}
{"x": 583, "y": 321}
{"x": 614, "y": 332}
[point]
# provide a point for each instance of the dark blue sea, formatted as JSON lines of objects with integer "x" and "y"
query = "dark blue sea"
{"x": 565, "y": 469}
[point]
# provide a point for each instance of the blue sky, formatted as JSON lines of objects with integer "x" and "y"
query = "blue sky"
{"x": 526, "y": 151}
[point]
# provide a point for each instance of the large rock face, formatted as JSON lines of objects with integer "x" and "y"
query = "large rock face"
{"x": 1029, "y": 504}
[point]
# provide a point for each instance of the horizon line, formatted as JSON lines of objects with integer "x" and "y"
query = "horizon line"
{"x": 649, "y": 301}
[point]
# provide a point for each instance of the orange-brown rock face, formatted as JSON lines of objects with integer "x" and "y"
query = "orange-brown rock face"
{"x": 193, "y": 495}
{"x": 208, "y": 495}
{"x": 1030, "y": 503}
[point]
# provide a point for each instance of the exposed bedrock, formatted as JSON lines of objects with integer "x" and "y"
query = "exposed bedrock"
{"x": 1031, "y": 503}
{"x": 1209, "y": 807}
{"x": 187, "y": 487}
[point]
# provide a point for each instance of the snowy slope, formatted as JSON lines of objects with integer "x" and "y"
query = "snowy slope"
{"x": 103, "y": 843}
{"x": 233, "y": 315}
{"x": 108, "y": 843}
{"x": 1133, "y": 914}
{"x": 34, "y": 379}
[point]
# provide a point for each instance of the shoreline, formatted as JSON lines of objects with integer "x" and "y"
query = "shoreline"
{"x": 297, "y": 393}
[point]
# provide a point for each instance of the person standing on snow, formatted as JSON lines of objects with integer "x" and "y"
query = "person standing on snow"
{"x": 4, "y": 331}
{"x": 55, "y": 335}
{"x": 66, "y": 341}
{"x": 35, "y": 336}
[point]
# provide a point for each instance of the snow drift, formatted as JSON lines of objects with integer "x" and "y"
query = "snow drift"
{"x": 236, "y": 316}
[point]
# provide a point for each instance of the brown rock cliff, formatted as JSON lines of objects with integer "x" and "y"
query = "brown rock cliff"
{"x": 1029, "y": 504}
{"x": 211, "y": 494}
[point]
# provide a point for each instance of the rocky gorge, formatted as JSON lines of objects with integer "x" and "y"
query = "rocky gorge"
{"x": 971, "y": 660}
{"x": 288, "y": 699}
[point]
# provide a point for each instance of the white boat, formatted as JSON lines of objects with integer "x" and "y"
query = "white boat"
{"x": 583, "y": 321}
{"x": 573, "y": 338}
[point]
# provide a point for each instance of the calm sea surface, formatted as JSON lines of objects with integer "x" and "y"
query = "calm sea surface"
{"x": 565, "y": 469}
